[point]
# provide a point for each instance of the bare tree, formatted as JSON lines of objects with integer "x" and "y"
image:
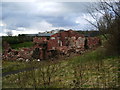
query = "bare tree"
{"x": 110, "y": 11}
{"x": 109, "y": 26}
{"x": 9, "y": 33}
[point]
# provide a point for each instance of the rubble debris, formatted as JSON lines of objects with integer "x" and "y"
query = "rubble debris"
{"x": 61, "y": 43}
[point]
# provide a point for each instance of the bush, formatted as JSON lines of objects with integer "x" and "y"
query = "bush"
{"x": 20, "y": 45}
{"x": 16, "y": 39}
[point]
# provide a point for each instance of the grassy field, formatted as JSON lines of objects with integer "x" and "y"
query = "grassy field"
{"x": 9, "y": 66}
{"x": 90, "y": 70}
{"x": 21, "y": 45}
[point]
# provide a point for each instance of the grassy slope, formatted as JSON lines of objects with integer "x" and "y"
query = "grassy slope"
{"x": 92, "y": 69}
{"x": 9, "y": 66}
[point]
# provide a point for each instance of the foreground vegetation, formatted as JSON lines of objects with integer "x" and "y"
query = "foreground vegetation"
{"x": 90, "y": 70}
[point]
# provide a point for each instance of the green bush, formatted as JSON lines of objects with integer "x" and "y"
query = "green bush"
{"x": 96, "y": 55}
{"x": 20, "y": 45}
{"x": 16, "y": 39}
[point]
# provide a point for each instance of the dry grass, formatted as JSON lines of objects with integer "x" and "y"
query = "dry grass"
{"x": 91, "y": 70}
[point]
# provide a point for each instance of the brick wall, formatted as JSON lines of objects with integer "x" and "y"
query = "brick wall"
{"x": 62, "y": 42}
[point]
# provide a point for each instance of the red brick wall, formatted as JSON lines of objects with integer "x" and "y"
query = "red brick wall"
{"x": 62, "y": 42}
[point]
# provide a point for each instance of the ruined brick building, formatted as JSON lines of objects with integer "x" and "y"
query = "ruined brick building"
{"x": 61, "y": 43}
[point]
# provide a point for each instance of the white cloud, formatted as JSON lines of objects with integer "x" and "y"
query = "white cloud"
{"x": 83, "y": 23}
{"x": 18, "y": 0}
{"x": 2, "y": 24}
{"x": 39, "y": 27}
{"x": 25, "y": 18}
{"x": 48, "y": 9}
{"x": 3, "y": 34}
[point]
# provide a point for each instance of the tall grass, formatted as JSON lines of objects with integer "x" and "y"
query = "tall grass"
{"x": 90, "y": 70}
{"x": 96, "y": 55}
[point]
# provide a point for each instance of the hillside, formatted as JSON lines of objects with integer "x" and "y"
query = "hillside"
{"x": 90, "y": 70}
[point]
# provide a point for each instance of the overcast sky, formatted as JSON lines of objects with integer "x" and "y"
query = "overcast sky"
{"x": 34, "y": 17}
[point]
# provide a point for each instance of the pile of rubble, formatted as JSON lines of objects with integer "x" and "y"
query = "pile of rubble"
{"x": 62, "y": 43}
